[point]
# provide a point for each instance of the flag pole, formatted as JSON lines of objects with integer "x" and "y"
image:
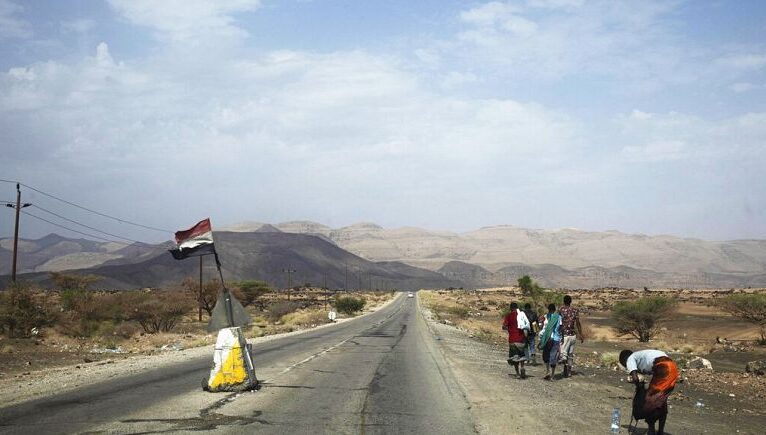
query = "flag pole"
{"x": 226, "y": 294}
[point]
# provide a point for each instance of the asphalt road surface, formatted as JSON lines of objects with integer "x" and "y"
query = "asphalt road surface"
{"x": 381, "y": 373}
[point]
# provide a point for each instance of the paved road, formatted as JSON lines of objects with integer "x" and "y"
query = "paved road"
{"x": 382, "y": 373}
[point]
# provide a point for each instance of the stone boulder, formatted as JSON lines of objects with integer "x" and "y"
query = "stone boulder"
{"x": 757, "y": 368}
{"x": 699, "y": 363}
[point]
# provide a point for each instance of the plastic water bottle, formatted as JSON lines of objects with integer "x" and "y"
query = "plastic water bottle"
{"x": 616, "y": 420}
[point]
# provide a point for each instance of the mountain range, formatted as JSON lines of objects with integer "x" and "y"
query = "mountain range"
{"x": 413, "y": 257}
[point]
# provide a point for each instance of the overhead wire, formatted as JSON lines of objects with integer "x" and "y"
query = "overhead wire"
{"x": 72, "y": 229}
{"x": 120, "y": 220}
{"x": 87, "y": 226}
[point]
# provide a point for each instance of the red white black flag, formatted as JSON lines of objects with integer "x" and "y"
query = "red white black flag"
{"x": 196, "y": 241}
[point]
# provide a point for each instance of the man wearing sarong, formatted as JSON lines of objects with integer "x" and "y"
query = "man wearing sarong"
{"x": 664, "y": 373}
{"x": 517, "y": 325}
{"x": 550, "y": 341}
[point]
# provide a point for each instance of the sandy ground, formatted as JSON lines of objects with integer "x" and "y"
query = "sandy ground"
{"x": 37, "y": 382}
{"x": 503, "y": 404}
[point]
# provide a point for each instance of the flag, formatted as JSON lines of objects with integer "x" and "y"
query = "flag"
{"x": 196, "y": 241}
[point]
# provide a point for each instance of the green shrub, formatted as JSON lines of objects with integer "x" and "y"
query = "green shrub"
{"x": 349, "y": 305}
{"x": 251, "y": 290}
{"x": 641, "y": 318}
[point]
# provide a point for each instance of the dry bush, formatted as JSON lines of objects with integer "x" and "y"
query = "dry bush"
{"x": 23, "y": 308}
{"x": 159, "y": 311}
{"x": 127, "y": 329}
{"x": 279, "y": 309}
{"x": 610, "y": 359}
{"x": 70, "y": 281}
{"x": 305, "y": 318}
{"x": 750, "y": 307}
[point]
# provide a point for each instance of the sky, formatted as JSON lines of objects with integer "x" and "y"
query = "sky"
{"x": 642, "y": 117}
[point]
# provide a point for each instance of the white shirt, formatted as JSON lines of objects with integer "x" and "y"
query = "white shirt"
{"x": 521, "y": 320}
{"x": 643, "y": 361}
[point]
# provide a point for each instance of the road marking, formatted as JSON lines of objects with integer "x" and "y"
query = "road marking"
{"x": 304, "y": 361}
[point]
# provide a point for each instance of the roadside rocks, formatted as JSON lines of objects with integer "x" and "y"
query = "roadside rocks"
{"x": 699, "y": 363}
{"x": 757, "y": 368}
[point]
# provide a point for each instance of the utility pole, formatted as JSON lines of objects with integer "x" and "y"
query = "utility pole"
{"x": 18, "y": 208}
{"x": 289, "y": 280}
{"x": 345, "y": 286}
{"x": 326, "y": 292}
{"x": 199, "y": 298}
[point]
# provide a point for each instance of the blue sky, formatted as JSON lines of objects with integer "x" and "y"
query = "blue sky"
{"x": 644, "y": 117}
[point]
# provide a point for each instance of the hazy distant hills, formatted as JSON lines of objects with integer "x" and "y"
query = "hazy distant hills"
{"x": 414, "y": 257}
{"x": 587, "y": 258}
{"x": 259, "y": 255}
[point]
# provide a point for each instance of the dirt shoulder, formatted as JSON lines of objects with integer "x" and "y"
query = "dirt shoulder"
{"x": 76, "y": 370}
{"x": 581, "y": 404}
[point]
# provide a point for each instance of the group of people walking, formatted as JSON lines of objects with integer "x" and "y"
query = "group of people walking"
{"x": 558, "y": 332}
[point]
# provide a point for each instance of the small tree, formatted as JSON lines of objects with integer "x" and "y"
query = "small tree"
{"x": 349, "y": 305}
{"x": 642, "y": 318}
{"x": 23, "y": 308}
{"x": 159, "y": 311}
{"x": 251, "y": 290}
{"x": 749, "y": 307}
{"x": 209, "y": 296}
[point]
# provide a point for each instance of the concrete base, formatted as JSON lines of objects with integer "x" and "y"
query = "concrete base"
{"x": 233, "y": 368}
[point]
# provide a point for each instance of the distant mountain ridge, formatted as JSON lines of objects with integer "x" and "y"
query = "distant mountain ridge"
{"x": 489, "y": 256}
{"x": 495, "y": 247}
{"x": 265, "y": 256}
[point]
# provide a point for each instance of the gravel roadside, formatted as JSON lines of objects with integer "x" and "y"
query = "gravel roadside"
{"x": 581, "y": 404}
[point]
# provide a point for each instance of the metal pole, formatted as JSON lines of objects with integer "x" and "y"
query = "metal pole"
{"x": 16, "y": 232}
{"x": 345, "y": 286}
{"x": 289, "y": 271}
{"x": 199, "y": 298}
{"x": 226, "y": 295}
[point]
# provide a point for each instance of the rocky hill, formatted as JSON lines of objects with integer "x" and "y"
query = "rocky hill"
{"x": 262, "y": 255}
{"x": 489, "y": 256}
{"x": 589, "y": 258}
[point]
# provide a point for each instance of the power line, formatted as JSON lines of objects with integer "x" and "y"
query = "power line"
{"x": 86, "y": 226}
{"x": 76, "y": 231}
{"x": 120, "y": 220}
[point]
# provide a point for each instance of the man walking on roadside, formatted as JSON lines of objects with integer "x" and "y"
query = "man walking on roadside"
{"x": 533, "y": 328}
{"x": 550, "y": 341}
{"x": 570, "y": 331}
{"x": 517, "y": 325}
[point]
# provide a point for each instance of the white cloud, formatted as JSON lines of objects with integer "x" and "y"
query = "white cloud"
{"x": 187, "y": 20}
{"x": 10, "y": 25}
{"x": 652, "y": 137}
{"x": 297, "y": 110}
